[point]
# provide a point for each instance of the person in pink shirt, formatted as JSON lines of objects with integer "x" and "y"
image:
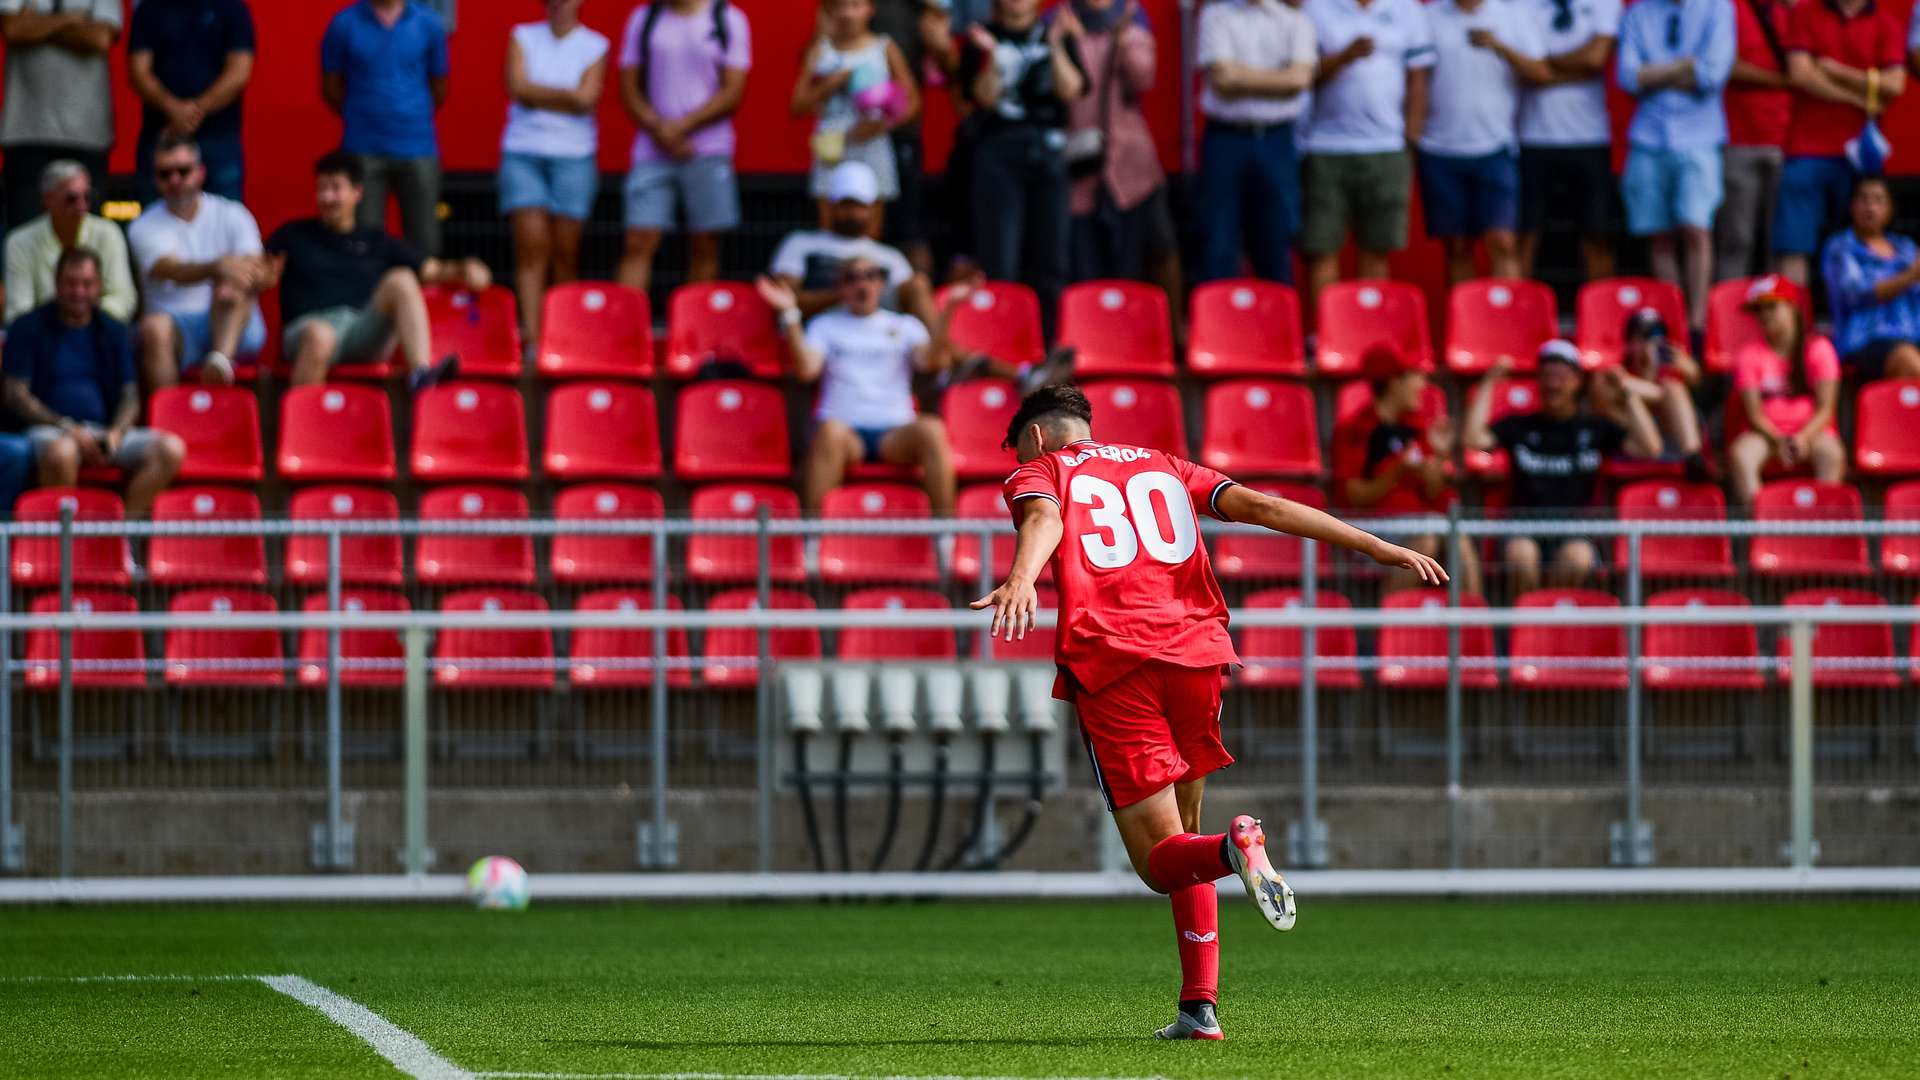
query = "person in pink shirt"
{"x": 1787, "y": 387}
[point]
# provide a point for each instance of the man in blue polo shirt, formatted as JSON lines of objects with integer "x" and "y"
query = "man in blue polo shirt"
{"x": 383, "y": 68}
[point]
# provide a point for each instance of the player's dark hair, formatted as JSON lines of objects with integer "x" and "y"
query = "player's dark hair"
{"x": 1048, "y": 405}
{"x": 341, "y": 163}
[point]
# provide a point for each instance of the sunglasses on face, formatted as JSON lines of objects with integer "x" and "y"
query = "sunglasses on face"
{"x": 176, "y": 172}
{"x": 76, "y": 198}
{"x": 856, "y": 277}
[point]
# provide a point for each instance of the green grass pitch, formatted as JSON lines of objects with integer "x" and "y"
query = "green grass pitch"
{"x": 1360, "y": 989}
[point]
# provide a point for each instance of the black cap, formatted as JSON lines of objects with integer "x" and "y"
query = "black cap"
{"x": 1646, "y": 324}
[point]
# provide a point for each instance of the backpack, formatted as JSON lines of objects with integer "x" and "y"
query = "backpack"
{"x": 720, "y": 34}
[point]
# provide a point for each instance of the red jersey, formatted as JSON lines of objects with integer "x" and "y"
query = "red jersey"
{"x": 1135, "y": 583}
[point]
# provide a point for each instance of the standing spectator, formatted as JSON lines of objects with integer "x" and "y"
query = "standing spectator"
{"x": 683, "y": 72}
{"x": 1759, "y": 107}
{"x": 1023, "y": 76}
{"x": 58, "y": 104}
{"x": 1788, "y": 386}
{"x": 1257, "y": 59}
{"x": 190, "y": 62}
{"x": 1844, "y": 61}
{"x": 383, "y": 68}
{"x": 202, "y": 269}
{"x": 809, "y": 261}
{"x": 349, "y": 293}
{"x": 556, "y": 69}
{"x": 857, "y": 85}
{"x": 69, "y": 379}
{"x": 1873, "y": 286}
{"x": 919, "y": 28}
{"x": 1913, "y": 41}
{"x": 1369, "y": 106}
{"x": 34, "y": 248}
{"x": 1675, "y": 56}
{"x": 962, "y": 15}
{"x": 1566, "y": 138}
{"x": 1663, "y": 375}
{"x": 1484, "y": 50}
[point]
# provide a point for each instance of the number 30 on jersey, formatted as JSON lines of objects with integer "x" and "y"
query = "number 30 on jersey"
{"x": 1127, "y": 522}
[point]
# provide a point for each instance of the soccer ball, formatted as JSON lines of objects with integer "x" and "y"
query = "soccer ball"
{"x": 497, "y": 883}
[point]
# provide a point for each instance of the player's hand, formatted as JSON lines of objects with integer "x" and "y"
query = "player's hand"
{"x": 1013, "y": 607}
{"x": 1430, "y": 572}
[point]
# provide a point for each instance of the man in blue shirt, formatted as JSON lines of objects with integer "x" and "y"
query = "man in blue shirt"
{"x": 68, "y": 379}
{"x": 383, "y": 68}
{"x": 1675, "y": 58}
{"x": 190, "y": 62}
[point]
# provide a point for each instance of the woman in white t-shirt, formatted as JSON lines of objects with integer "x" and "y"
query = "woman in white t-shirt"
{"x": 548, "y": 172}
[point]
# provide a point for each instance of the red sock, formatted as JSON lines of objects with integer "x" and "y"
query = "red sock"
{"x": 1187, "y": 859}
{"x": 1196, "y": 924}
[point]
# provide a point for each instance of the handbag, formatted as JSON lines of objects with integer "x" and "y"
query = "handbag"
{"x": 1868, "y": 151}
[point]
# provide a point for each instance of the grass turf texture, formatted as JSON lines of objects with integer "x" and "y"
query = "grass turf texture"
{"x": 1435, "y": 989}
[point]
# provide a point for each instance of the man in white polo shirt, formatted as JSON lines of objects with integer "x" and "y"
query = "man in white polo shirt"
{"x": 1469, "y": 165}
{"x": 808, "y": 261}
{"x": 1370, "y": 102}
{"x": 1566, "y": 139}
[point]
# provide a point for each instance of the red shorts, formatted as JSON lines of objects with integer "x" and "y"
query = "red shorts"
{"x": 1157, "y": 725}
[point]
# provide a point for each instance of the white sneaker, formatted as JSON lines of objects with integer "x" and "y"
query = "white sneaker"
{"x": 218, "y": 367}
{"x": 1247, "y": 850}
{"x": 1188, "y": 1026}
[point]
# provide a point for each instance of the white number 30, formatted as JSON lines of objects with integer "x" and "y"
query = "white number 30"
{"x": 1129, "y": 522}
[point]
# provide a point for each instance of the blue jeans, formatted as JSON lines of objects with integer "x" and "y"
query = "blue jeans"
{"x": 223, "y": 156}
{"x": 1249, "y": 189}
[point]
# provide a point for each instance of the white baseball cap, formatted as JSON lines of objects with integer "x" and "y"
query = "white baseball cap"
{"x": 853, "y": 181}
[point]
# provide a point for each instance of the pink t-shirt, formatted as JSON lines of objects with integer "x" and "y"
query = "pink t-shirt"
{"x": 1758, "y": 367}
{"x": 685, "y": 72}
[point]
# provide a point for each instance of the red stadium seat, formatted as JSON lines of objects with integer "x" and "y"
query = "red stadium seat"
{"x": 1709, "y": 556}
{"x": 1835, "y": 644}
{"x": 1245, "y": 327}
{"x": 977, "y": 414}
{"x": 1510, "y": 397}
{"x": 1495, "y": 319}
{"x": 1901, "y": 554}
{"x": 1117, "y": 328}
{"x": 595, "y": 330}
{"x": 1668, "y": 648}
{"x": 368, "y": 658}
{"x": 721, "y": 320}
{"x": 364, "y": 559}
{"x": 883, "y": 642}
{"x": 483, "y": 328}
{"x": 602, "y": 431}
{"x": 735, "y": 557}
{"x": 1355, "y": 399}
{"x": 494, "y": 657}
{"x": 334, "y": 432}
{"x": 1037, "y": 646}
{"x": 503, "y": 558}
{"x": 579, "y": 558}
{"x": 220, "y": 425}
{"x": 731, "y": 430}
{"x": 1415, "y": 657}
{"x": 1272, "y": 654}
{"x": 732, "y": 654}
{"x": 987, "y": 503}
{"x": 1548, "y": 656}
{"x": 1146, "y": 411}
{"x": 1605, "y": 305}
{"x": 1887, "y": 428}
{"x": 222, "y": 657}
{"x": 1806, "y": 500}
{"x": 1261, "y": 427}
{"x": 469, "y": 431}
{"x": 614, "y": 658}
{"x": 207, "y": 560}
{"x": 1269, "y": 557}
{"x": 1730, "y": 325}
{"x": 853, "y": 557}
{"x": 1000, "y": 319}
{"x": 1355, "y": 315}
{"x": 97, "y": 560}
{"x": 102, "y": 659}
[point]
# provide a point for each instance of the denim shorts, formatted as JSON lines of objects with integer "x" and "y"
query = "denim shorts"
{"x": 563, "y": 187}
{"x": 196, "y": 337}
{"x": 1667, "y": 189}
{"x": 1469, "y": 196}
{"x": 1814, "y": 192}
{"x": 704, "y": 188}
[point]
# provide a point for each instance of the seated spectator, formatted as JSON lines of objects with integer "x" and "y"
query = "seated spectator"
{"x": 809, "y": 261}
{"x": 1873, "y": 287}
{"x": 683, "y": 72}
{"x": 1566, "y": 136}
{"x": 34, "y": 249}
{"x": 1556, "y": 455}
{"x": 556, "y": 69}
{"x": 1391, "y": 460}
{"x": 864, "y": 358}
{"x": 58, "y": 104}
{"x": 857, "y": 86}
{"x": 1788, "y": 389}
{"x": 349, "y": 293}
{"x": 383, "y": 69}
{"x": 190, "y": 61}
{"x": 69, "y": 380}
{"x": 1662, "y": 374}
{"x": 203, "y": 269}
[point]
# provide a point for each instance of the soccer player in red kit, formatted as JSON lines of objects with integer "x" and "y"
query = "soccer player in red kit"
{"x": 1141, "y": 644}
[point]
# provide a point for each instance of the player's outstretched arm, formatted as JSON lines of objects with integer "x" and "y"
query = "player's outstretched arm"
{"x": 1015, "y": 601}
{"x": 1239, "y": 503}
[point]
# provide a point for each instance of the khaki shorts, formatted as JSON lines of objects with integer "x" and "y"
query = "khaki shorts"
{"x": 1367, "y": 193}
{"x": 132, "y": 454}
{"x": 361, "y": 335}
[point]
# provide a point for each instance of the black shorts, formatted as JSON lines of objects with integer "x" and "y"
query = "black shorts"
{"x": 907, "y": 218}
{"x": 1869, "y": 361}
{"x": 1576, "y": 181}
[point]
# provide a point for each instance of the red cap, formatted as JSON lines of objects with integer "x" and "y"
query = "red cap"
{"x": 1769, "y": 288}
{"x": 1384, "y": 360}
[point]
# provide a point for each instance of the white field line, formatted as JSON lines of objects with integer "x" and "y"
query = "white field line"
{"x": 401, "y": 1047}
{"x": 127, "y": 978}
{"x": 765, "y": 1076}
